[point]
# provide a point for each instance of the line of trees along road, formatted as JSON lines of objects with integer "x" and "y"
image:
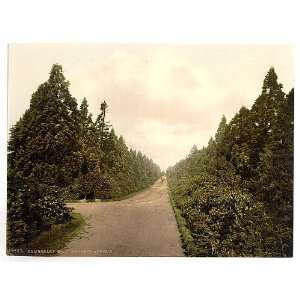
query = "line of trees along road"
{"x": 236, "y": 194}
{"x": 57, "y": 153}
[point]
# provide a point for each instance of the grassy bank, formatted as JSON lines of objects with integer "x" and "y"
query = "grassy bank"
{"x": 187, "y": 241}
{"x": 49, "y": 242}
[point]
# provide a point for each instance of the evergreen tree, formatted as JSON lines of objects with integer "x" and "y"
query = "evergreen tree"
{"x": 219, "y": 137}
{"x": 276, "y": 174}
{"x": 42, "y": 159}
{"x": 239, "y": 142}
{"x": 236, "y": 194}
{"x": 101, "y": 125}
{"x": 57, "y": 153}
{"x": 264, "y": 113}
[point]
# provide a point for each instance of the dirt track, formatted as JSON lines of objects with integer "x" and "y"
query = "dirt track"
{"x": 143, "y": 225}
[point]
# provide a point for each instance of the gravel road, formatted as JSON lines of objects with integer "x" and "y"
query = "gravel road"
{"x": 143, "y": 225}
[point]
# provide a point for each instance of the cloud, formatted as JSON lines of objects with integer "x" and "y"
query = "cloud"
{"x": 162, "y": 99}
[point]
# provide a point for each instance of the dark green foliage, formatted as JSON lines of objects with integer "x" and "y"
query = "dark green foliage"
{"x": 57, "y": 153}
{"x": 42, "y": 159}
{"x": 109, "y": 169}
{"x": 236, "y": 195}
{"x": 275, "y": 174}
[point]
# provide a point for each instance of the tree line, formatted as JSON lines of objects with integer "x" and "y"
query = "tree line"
{"x": 58, "y": 153}
{"x": 235, "y": 196}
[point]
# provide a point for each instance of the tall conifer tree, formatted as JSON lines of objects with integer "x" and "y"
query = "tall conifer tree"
{"x": 42, "y": 159}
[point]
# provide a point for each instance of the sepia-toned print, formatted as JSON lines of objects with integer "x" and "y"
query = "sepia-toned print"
{"x": 150, "y": 150}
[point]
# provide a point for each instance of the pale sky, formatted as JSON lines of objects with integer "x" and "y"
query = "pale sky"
{"x": 163, "y": 99}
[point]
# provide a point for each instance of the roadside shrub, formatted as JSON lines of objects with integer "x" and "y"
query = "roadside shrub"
{"x": 34, "y": 208}
{"x": 224, "y": 222}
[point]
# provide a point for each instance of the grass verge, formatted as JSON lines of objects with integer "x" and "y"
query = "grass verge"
{"x": 48, "y": 243}
{"x": 187, "y": 240}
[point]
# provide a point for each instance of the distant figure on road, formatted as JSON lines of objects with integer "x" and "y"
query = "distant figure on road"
{"x": 162, "y": 179}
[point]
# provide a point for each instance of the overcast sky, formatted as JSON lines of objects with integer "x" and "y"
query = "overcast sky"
{"x": 162, "y": 99}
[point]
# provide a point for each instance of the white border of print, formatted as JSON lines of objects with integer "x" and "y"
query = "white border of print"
{"x": 152, "y": 22}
